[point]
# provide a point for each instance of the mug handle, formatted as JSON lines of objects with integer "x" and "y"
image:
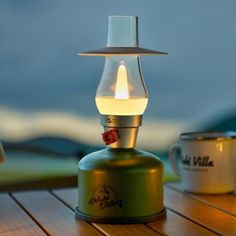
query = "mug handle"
{"x": 172, "y": 158}
{"x": 1, "y": 153}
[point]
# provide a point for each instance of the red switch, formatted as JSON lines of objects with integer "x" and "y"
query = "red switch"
{"x": 110, "y": 136}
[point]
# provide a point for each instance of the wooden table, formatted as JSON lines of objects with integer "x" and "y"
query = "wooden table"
{"x": 50, "y": 212}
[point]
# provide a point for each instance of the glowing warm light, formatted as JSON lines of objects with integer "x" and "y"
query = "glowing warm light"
{"x": 122, "y": 102}
{"x": 122, "y": 87}
{"x": 111, "y": 106}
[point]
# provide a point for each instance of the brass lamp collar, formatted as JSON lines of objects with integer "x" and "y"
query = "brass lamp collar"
{"x": 126, "y": 128}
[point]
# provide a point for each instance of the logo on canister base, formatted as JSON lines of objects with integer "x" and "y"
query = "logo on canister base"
{"x": 105, "y": 197}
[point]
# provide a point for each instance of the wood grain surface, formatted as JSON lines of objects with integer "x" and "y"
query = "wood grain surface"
{"x": 210, "y": 217}
{"x": 174, "y": 224}
{"x": 13, "y": 220}
{"x": 224, "y": 202}
{"x": 70, "y": 198}
{"x": 53, "y": 215}
{"x": 45, "y": 212}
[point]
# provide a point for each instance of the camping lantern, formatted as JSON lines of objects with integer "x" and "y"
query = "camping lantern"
{"x": 121, "y": 184}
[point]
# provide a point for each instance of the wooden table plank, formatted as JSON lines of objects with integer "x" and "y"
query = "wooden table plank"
{"x": 13, "y": 219}
{"x": 172, "y": 225}
{"x": 69, "y": 196}
{"x": 53, "y": 215}
{"x": 199, "y": 212}
{"x": 186, "y": 215}
{"x": 224, "y": 202}
{"x": 24, "y": 231}
{"x": 177, "y": 225}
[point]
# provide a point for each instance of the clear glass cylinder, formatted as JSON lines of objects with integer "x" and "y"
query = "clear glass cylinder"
{"x": 122, "y": 31}
{"x": 121, "y": 90}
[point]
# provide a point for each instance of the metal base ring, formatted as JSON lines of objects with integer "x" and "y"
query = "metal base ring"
{"x": 119, "y": 220}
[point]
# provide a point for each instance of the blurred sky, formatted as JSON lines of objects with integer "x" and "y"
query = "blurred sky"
{"x": 40, "y": 69}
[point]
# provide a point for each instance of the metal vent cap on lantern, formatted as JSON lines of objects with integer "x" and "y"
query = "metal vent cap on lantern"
{"x": 121, "y": 184}
{"x": 122, "y": 39}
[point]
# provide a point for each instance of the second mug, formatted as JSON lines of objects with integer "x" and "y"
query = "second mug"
{"x": 207, "y": 161}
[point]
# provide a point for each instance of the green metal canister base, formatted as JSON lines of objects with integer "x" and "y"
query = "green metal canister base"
{"x": 120, "y": 220}
{"x": 120, "y": 186}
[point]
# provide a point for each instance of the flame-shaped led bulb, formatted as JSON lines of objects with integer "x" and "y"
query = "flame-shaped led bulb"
{"x": 122, "y": 87}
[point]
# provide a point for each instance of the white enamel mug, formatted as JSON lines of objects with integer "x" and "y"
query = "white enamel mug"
{"x": 207, "y": 161}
